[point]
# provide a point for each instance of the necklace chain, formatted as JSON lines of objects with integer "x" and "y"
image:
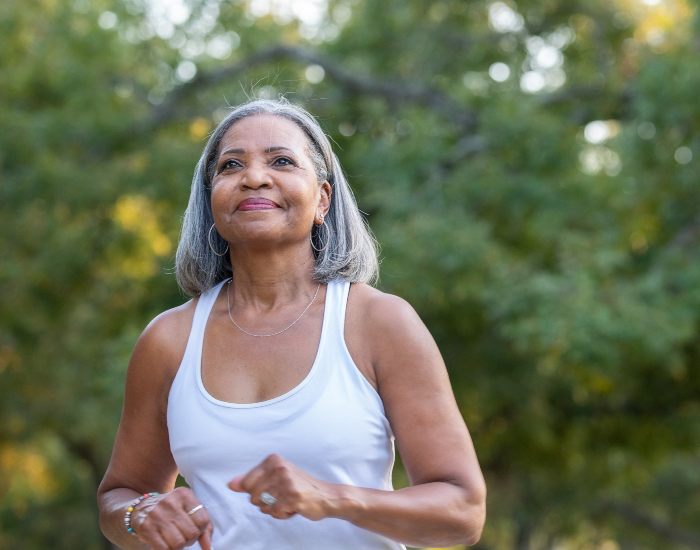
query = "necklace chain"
{"x": 239, "y": 327}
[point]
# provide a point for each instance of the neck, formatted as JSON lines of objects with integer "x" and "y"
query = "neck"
{"x": 269, "y": 278}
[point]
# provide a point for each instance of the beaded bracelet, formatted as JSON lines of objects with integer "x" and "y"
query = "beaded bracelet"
{"x": 130, "y": 508}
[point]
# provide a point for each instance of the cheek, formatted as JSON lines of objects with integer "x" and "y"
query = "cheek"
{"x": 215, "y": 197}
{"x": 302, "y": 195}
{"x": 219, "y": 200}
{"x": 311, "y": 205}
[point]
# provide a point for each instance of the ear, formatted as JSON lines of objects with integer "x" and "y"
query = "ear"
{"x": 324, "y": 202}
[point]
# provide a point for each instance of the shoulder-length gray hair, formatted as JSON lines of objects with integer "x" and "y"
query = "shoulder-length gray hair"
{"x": 346, "y": 248}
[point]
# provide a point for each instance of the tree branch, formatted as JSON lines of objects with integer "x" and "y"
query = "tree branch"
{"x": 394, "y": 91}
{"x": 688, "y": 235}
{"x": 659, "y": 527}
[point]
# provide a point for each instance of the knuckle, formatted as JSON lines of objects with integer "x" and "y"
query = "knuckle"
{"x": 176, "y": 541}
{"x": 146, "y": 526}
{"x": 191, "y": 532}
{"x": 157, "y": 514}
{"x": 161, "y": 509}
{"x": 281, "y": 470}
{"x": 274, "y": 459}
{"x": 181, "y": 492}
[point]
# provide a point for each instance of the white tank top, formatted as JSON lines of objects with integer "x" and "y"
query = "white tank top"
{"x": 332, "y": 425}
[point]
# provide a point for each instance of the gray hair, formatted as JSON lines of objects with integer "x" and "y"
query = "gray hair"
{"x": 346, "y": 248}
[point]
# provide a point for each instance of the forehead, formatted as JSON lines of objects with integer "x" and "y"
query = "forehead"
{"x": 259, "y": 132}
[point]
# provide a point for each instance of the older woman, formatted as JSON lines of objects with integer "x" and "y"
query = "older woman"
{"x": 278, "y": 390}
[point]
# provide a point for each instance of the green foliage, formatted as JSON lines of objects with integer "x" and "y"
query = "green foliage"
{"x": 558, "y": 271}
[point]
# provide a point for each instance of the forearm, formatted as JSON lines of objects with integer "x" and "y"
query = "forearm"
{"x": 432, "y": 514}
{"x": 113, "y": 505}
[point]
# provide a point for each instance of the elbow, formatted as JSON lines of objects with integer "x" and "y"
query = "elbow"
{"x": 102, "y": 515}
{"x": 473, "y": 536}
{"x": 466, "y": 522}
{"x": 475, "y": 515}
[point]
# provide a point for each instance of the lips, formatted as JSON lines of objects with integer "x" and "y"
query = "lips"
{"x": 257, "y": 203}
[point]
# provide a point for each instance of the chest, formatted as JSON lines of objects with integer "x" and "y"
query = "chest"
{"x": 239, "y": 368}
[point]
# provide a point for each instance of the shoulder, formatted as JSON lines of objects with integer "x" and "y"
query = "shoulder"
{"x": 173, "y": 322}
{"x": 161, "y": 346}
{"x": 389, "y": 332}
{"x": 380, "y": 311}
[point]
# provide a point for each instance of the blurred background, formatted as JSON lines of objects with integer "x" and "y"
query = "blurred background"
{"x": 530, "y": 168}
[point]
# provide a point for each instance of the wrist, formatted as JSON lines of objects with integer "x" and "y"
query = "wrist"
{"x": 345, "y": 502}
{"x": 131, "y": 509}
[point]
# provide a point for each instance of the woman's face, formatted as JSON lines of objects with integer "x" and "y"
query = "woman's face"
{"x": 264, "y": 190}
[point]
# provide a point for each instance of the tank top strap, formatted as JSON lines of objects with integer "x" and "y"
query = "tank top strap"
{"x": 204, "y": 307}
{"x": 336, "y": 351}
{"x": 336, "y": 298}
{"x": 205, "y": 303}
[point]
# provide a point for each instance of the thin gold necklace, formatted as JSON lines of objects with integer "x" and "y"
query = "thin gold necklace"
{"x": 239, "y": 327}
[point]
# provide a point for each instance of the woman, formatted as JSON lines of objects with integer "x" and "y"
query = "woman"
{"x": 278, "y": 390}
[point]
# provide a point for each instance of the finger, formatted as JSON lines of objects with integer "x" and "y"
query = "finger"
{"x": 192, "y": 519}
{"x": 200, "y": 517}
{"x": 205, "y": 539}
{"x": 172, "y": 523}
{"x": 173, "y": 536}
{"x": 280, "y": 497}
{"x": 191, "y": 530}
{"x": 203, "y": 522}
{"x": 249, "y": 482}
{"x": 275, "y": 510}
{"x": 280, "y": 509}
{"x": 282, "y": 514}
{"x": 195, "y": 511}
{"x": 155, "y": 543}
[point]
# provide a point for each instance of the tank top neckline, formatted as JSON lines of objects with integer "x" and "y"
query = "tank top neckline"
{"x": 315, "y": 366}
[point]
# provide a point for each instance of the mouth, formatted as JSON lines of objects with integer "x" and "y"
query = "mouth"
{"x": 257, "y": 203}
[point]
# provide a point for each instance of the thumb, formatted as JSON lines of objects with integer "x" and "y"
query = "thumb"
{"x": 235, "y": 484}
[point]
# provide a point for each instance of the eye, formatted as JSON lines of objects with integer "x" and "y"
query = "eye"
{"x": 283, "y": 161}
{"x": 229, "y": 164}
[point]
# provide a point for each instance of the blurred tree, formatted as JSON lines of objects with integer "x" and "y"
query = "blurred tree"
{"x": 530, "y": 169}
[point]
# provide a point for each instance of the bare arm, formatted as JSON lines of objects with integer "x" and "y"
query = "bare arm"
{"x": 445, "y": 504}
{"x": 141, "y": 460}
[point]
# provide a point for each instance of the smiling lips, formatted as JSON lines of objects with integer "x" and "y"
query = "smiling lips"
{"x": 257, "y": 204}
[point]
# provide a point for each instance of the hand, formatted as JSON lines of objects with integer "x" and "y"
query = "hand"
{"x": 163, "y": 521}
{"x": 295, "y": 491}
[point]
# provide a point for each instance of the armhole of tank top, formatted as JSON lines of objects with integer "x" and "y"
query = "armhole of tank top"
{"x": 202, "y": 308}
{"x": 344, "y": 296}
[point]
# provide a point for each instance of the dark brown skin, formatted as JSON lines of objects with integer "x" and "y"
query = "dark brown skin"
{"x": 391, "y": 347}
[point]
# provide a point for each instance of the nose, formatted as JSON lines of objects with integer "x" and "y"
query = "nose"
{"x": 256, "y": 175}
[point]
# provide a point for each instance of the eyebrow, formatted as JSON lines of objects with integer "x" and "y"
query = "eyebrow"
{"x": 271, "y": 149}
